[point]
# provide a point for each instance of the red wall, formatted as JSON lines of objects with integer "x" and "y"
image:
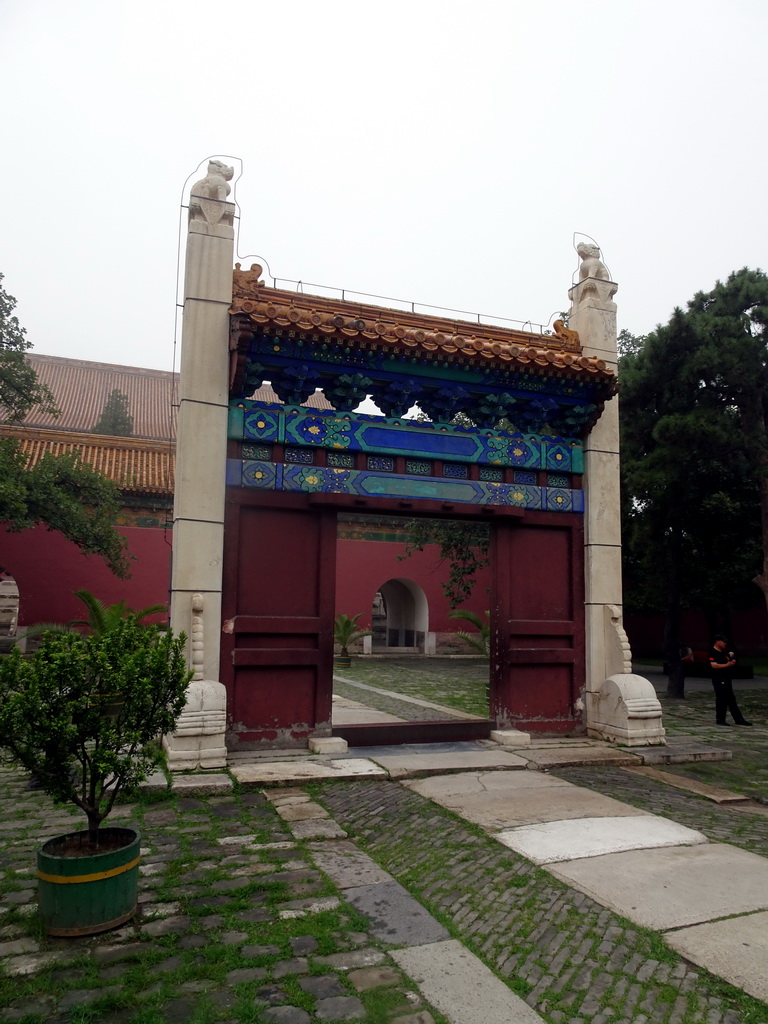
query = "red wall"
{"x": 362, "y": 566}
{"x": 48, "y": 568}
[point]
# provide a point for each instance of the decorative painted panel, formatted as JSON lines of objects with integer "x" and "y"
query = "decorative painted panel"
{"x": 558, "y": 480}
{"x": 376, "y": 435}
{"x": 257, "y": 451}
{"x": 300, "y": 455}
{"x": 380, "y": 465}
{"x": 330, "y": 480}
{"x": 533, "y": 395}
{"x": 260, "y": 424}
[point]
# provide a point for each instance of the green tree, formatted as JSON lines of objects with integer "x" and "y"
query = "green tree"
{"x": 19, "y": 386}
{"x": 60, "y": 492}
{"x": 115, "y": 420}
{"x": 55, "y": 720}
{"x": 690, "y": 471}
{"x": 463, "y": 545}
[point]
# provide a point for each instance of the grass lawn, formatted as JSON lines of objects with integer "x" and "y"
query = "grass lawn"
{"x": 694, "y": 719}
{"x": 453, "y": 682}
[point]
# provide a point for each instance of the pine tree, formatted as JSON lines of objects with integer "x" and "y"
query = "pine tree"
{"x": 115, "y": 420}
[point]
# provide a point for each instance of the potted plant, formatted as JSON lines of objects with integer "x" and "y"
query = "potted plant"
{"x": 53, "y": 725}
{"x": 101, "y": 617}
{"x": 481, "y": 643}
{"x": 345, "y": 632}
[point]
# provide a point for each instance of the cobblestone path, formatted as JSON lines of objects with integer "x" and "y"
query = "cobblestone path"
{"x": 389, "y": 703}
{"x": 720, "y": 823}
{"x": 236, "y": 926}
{"x": 571, "y": 959}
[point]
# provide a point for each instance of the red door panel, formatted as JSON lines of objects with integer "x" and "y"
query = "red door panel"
{"x": 537, "y": 654}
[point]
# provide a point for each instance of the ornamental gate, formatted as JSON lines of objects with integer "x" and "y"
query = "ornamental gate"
{"x": 291, "y": 469}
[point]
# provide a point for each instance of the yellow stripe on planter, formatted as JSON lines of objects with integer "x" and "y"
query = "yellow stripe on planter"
{"x": 65, "y": 879}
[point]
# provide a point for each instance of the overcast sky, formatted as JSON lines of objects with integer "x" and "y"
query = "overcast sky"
{"x": 442, "y": 152}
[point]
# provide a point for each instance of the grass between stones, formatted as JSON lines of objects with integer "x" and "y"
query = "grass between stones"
{"x": 451, "y": 682}
{"x": 570, "y": 958}
{"x": 212, "y": 944}
{"x": 694, "y": 719}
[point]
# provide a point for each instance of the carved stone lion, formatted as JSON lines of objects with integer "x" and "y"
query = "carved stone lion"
{"x": 208, "y": 196}
{"x": 591, "y": 264}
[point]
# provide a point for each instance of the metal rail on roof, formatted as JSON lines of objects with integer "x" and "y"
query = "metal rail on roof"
{"x": 413, "y": 307}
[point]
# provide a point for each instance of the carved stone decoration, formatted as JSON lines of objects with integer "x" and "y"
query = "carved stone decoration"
{"x": 627, "y": 711}
{"x": 618, "y": 651}
{"x": 591, "y": 264}
{"x": 199, "y": 738}
{"x": 208, "y": 197}
{"x": 594, "y": 279}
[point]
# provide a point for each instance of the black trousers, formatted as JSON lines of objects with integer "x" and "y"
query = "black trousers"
{"x": 725, "y": 699}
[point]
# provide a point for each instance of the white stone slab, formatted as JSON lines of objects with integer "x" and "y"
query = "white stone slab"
{"x": 327, "y": 745}
{"x": 200, "y": 784}
{"x": 500, "y": 800}
{"x": 735, "y": 950}
{"x": 292, "y": 771}
{"x": 561, "y": 757}
{"x": 555, "y": 841}
{"x": 510, "y": 738}
{"x": 461, "y": 987}
{"x": 402, "y": 766}
{"x": 303, "y": 810}
{"x": 347, "y": 865}
{"x": 673, "y": 887}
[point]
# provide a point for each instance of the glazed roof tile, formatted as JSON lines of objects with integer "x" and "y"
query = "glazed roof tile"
{"x": 81, "y": 389}
{"x": 387, "y": 328}
{"x": 137, "y": 466}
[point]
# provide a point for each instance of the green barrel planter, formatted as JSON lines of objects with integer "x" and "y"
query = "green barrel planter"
{"x": 343, "y": 661}
{"x": 81, "y": 892}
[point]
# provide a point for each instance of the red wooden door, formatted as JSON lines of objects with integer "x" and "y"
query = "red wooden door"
{"x": 278, "y": 608}
{"x": 537, "y": 651}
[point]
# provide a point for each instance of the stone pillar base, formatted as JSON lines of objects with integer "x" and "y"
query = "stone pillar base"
{"x": 626, "y": 710}
{"x": 199, "y": 738}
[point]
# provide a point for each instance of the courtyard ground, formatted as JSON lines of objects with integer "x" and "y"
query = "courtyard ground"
{"x": 245, "y": 919}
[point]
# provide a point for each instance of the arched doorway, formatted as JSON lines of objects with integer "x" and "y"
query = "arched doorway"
{"x": 403, "y": 607}
{"x": 9, "y": 610}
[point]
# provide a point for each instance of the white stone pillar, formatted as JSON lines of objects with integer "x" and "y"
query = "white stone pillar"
{"x": 593, "y": 315}
{"x": 198, "y": 513}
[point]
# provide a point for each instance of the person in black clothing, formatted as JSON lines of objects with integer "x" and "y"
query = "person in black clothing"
{"x": 722, "y": 662}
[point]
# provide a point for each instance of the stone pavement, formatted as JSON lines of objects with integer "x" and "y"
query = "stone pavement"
{"x": 455, "y": 883}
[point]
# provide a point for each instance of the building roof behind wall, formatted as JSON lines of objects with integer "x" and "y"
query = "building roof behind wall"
{"x": 81, "y": 389}
{"x": 137, "y": 466}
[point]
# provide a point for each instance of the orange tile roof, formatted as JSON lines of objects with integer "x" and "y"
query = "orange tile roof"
{"x": 137, "y": 466}
{"x": 81, "y": 388}
{"x": 376, "y": 326}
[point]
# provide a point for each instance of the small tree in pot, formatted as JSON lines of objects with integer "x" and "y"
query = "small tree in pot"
{"x": 345, "y": 633}
{"x": 54, "y": 723}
